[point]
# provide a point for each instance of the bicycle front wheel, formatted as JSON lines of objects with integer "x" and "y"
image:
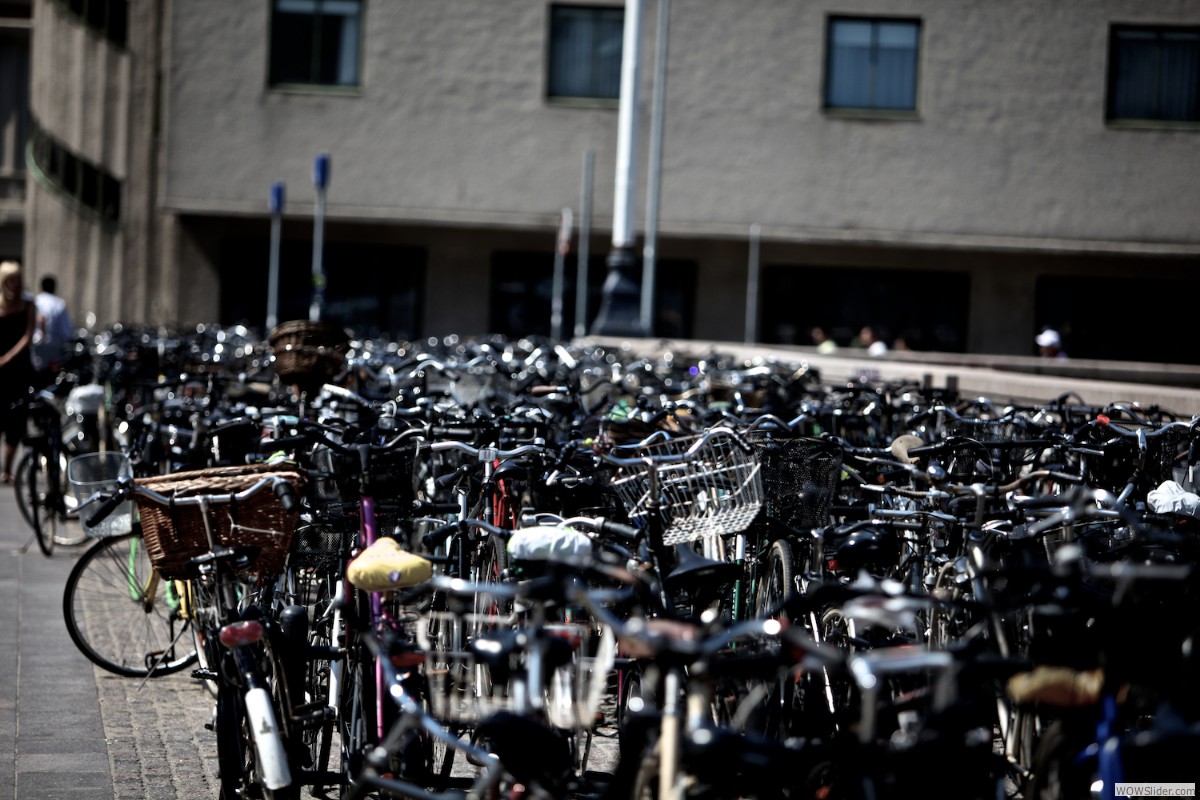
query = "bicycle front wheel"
{"x": 122, "y": 616}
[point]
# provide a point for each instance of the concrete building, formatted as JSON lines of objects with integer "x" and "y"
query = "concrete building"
{"x": 959, "y": 172}
{"x": 14, "y": 124}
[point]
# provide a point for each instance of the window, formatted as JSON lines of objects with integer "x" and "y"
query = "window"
{"x": 585, "y": 52}
{"x": 109, "y": 18}
{"x": 872, "y": 64}
{"x": 92, "y": 188}
{"x": 522, "y": 285}
{"x": 316, "y": 42}
{"x": 1154, "y": 74}
{"x": 927, "y": 308}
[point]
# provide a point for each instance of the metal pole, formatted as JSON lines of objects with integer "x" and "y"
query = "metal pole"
{"x": 627, "y": 128}
{"x": 752, "y": 287}
{"x": 277, "y": 201}
{"x": 556, "y": 289}
{"x": 321, "y": 181}
{"x": 619, "y": 308}
{"x": 585, "y": 230}
{"x": 654, "y": 170}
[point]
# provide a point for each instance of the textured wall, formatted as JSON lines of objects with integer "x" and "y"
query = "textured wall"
{"x": 450, "y": 123}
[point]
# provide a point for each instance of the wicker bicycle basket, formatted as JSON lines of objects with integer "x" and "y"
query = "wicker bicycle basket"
{"x": 175, "y": 534}
{"x": 308, "y": 352}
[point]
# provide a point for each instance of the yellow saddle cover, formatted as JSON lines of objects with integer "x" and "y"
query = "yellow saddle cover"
{"x": 385, "y": 566}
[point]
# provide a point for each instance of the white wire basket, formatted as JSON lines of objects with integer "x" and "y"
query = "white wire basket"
{"x": 464, "y": 690}
{"x": 706, "y": 486}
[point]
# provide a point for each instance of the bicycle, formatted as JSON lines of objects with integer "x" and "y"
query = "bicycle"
{"x": 40, "y": 479}
{"x": 224, "y": 563}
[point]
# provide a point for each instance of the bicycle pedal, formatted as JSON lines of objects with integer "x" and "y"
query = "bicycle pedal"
{"x": 204, "y": 674}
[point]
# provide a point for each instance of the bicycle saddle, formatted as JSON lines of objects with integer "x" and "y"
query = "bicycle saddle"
{"x": 693, "y": 570}
{"x": 385, "y": 566}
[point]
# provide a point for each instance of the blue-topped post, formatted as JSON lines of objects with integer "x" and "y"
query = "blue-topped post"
{"x": 321, "y": 182}
{"x": 276, "y": 200}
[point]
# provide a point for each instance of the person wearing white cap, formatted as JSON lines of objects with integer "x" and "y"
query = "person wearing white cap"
{"x": 1050, "y": 344}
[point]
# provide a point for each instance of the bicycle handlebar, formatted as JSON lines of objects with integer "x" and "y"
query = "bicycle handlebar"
{"x": 126, "y": 489}
{"x": 672, "y": 458}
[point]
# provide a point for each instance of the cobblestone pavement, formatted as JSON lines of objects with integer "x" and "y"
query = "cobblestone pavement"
{"x": 75, "y": 731}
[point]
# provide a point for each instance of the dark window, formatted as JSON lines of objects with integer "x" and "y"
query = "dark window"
{"x": 15, "y": 10}
{"x": 110, "y": 194}
{"x": 872, "y": 64}
{"x": 374, "y": 289}
{"x": 522, "y": 290}
{"x": 585, "y": 52}
{"x": 109, "y": 18}
{"x": 1154, "y": 74}
{"x": 316, "y": 42}
{"x": 118, "y": 21}
{"x": 927, "y": 308}
{"x": 70, "y": 174}
{"x": 1082, "y": 312}
{"x": 89, "y": 186}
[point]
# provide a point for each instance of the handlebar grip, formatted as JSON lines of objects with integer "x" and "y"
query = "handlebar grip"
{"x": 106, "y": 508}
{"x": 287, "y": 496}
{"x": 436, "y": 536}
{"x": 627, "y": 532}
{"x": 420, "y": 507}
{"x": 448, "y": 480}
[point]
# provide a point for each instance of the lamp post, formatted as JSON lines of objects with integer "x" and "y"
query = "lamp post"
{"x": 276, "y": 205}
{"x": 619, "y": 307}
{"x": 321, "y": 182}
{"x": 559, "y": 278}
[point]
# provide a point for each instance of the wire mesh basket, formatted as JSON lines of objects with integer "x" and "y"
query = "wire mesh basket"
{"x": 175, "y": 534}
{"x": 699, "y": 486}
{"x": 799, "y": 476}
{"x": 465, "y": 688}
{"x": 461, "y": 686}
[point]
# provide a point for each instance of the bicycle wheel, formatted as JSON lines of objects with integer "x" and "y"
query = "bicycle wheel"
{"x": 121, "y": 616}
{"x": 21, "y": 484}
{"x": 490, "y": 567}
{"x": 236, "y": 758}
{"x": 777, "y": 578}
{"x": 44, "y": 490}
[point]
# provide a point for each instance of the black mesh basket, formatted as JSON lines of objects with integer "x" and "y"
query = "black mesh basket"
{"x": 799, "y": 477}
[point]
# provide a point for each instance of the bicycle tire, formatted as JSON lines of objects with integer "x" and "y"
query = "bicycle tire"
{"x": 47, "y": 506}
{"x": 45, "y": 521}
{"x": 112, "y": 622}
{"x": 21, "y": 486}
{"x": 777, "y": 578}
{"x": 237, "y": 758}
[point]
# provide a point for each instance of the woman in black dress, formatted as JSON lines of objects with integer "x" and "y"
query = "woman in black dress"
{"x": 17, "y": 317}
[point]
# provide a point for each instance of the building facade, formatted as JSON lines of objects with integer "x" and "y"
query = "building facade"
{"x": 956, "y": 172}
{"x": 14, "y": 124}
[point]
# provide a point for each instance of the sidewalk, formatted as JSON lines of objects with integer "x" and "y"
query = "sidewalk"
{"x": 73, "y": 730}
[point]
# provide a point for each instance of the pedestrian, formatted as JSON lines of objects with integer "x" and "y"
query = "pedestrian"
{"x": 53, "y": 331}
{"x": 18, "y": 315}
{"x": 1050, "y": 344}
{"x": 821, "y": 341}
{"x": 869, "y": 339}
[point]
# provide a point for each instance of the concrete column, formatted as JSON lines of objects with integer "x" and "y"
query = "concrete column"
{"x": 1001, "y": 314}
{"x": 457, "y": 288}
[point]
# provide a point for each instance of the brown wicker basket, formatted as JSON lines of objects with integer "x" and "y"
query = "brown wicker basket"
{"x": 308, "y": 352}
{"x": 176, "y": 534}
